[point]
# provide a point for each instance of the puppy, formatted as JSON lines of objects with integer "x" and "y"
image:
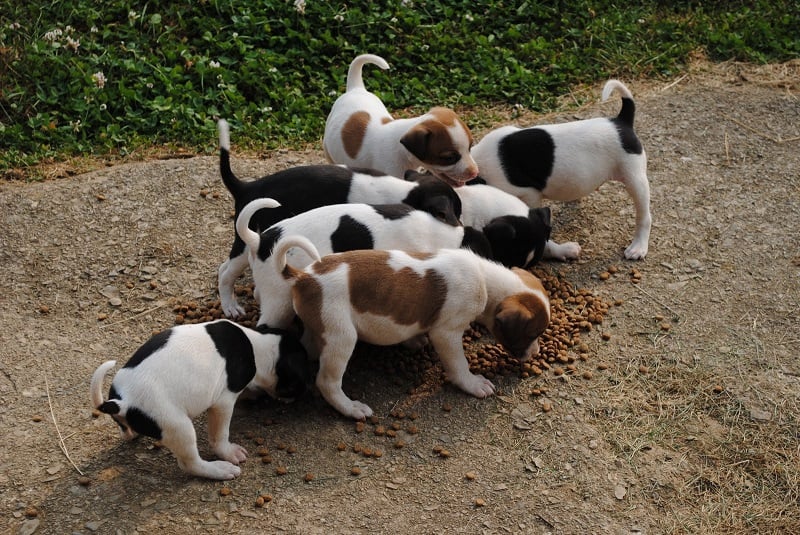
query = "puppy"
{"x": 360, "y": 131}
{"x": 183, "y": 371}
{"x": 337, "y": 228}
{"x": 386, "y": 297}
{"x": 568, "y": 161}
{"x": 519, "y": 235}
{"x": 300, "y": 189}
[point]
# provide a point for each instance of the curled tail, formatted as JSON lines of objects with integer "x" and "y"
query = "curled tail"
{"x": 283, "y": 246}
{"x": 228, "y": 178}
{"x": 249, "y": 236}
{"x": 628, "y": 110}
{"x": 96, "y": 390}
{"x": 354, "y": 79}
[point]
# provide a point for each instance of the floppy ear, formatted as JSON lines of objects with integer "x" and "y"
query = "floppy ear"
{"x": 416, "y": 141}
{"x": 109, "y": 407}
{"x": 499, "y": 231}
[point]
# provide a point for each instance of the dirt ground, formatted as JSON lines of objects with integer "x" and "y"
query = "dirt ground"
{"x": 688, "y": 423}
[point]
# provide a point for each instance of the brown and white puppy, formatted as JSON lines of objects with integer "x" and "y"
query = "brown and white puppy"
{"x": 360, "y": 132}
{"x": 568, "y": 161}
{"x": 387, "y": 297}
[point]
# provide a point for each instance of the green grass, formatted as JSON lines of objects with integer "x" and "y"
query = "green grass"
{"x": 273, "y": 71}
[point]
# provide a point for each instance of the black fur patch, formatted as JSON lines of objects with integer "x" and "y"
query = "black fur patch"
{"x": 392, "y": 211}
{"x": 155, "y": 343}
{"x": 476, "y": 241}
{"x": 142, "y": 423}
{"x": 351, "y": 235}
{"x": 435, "y": 197}
{"x": 268, "y": 240}
{"x": 627, "y": 137}
{"x": 292, "y": 368}
{"x": 515, "y": 238}
{"x": 234, "y": 346}
{"x": 527, "y": 157}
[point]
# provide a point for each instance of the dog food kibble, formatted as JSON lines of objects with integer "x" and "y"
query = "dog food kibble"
{"x": 262, "y": 451}
{"x": 606, "y": 336}
{"x": 291, "y": 450}
{"x": 309, "y": 477}
{"x": 266, "y": 459}
{"x": 718, "y": 389}
{"x": 602, "y": 366}
{"x": 444, "y": 454}
{"x": 644, "y": 369}
{"x": 391, "y": 433}
{"x": 587, "y": 375}
{"x": 413, "y": 416}
{"x": 480, "y": 502}
{"x": 225, "y": 491}
{"x": 37, "y": 418}
{"x": 84, "y": 481}
{"x": 380, "y": 431}
{"x": 412, "y": 430}
{"x": 357, "y": 448}
{"x": 665, "y": 326}
{"x": 399, "y": 444}
{"x": 604, "y": 276}
{"x": 377, "y": 454}
{"x": 366, "y": 452}
{"x": 356, "y": 471}
{"x": 446, "y": 407}
{"x": 547, "y": 406}
{"x": 470, "y": 476}
{"x": 31, "y": 511}
{"x": 341, "y": 446}
{"x": 260, "y": 501}
{"x": 359, "y": 427}
{"x": 281, "y": 471}
{"x": 281, "y": 446}
{"x": 374, "y": 420}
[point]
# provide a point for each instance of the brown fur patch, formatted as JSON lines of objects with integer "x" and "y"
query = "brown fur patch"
{"x": 529, "y": 279}
{"x": 354, "y": 131}
{"x": 519, "y": 320}
{"x": 403, "y": 295}
{"x": 307, "y": 298}
{"x": 386, "y": 120}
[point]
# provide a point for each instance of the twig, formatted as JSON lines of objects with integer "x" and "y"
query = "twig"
{"x": 55, "y": 423}
{"x": 654, "y": 298}
{"x": 727, "y": 149}
{"x": 676, "y": 82}
{"x": 776, "y": 140}
{"x": 134, "y": 316}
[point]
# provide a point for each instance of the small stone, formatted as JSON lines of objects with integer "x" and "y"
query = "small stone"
{"x": 470, "y": 476}
{"x": 620, "y": 492}
{"x": 480, "y": 502}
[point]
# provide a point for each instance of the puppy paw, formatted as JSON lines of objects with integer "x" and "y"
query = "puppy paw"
{"x": 636, "y": 251}
{"x": 232, "y": 309}
{"x": 233, "y": 453}
{"x": 562, "y": 251}
{"x": 222, "y": 470}
{"x": 477, "y": 385}
{"x": 358, "y": 410}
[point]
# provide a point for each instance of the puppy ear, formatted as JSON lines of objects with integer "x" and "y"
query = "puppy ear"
{"x": 499, "y": 230}
{"x": 109, "y": 407}
{"x": 416, "y": 141}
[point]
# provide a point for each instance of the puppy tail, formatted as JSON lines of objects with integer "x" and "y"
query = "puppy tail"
{"x": 249, "y": 236}
{"x": 96, "y": 387}
{"x": 628, "y": 110}
{"x": 354, "y": 79}
{"x": 230, "y": 180}
{"x": 282, "y": 248}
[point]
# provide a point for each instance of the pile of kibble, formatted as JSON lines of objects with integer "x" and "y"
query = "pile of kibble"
{"x": 573, "y": 312}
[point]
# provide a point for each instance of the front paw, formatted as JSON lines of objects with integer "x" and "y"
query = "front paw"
{"x": 477, "y": 385}
{"x": 233, "y": 453}
{"x": 231, "y": 308}
{"x": 562, "y": 251}
{"x": 357, "y": 410}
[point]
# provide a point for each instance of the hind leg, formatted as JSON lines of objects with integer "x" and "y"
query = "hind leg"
{"x": 332, "y": 365}
{"x": 180, "y": 438}
{"x": 229, "y": 271}
{"x": 219, "y": 422}
{"x": 638, "y": 188}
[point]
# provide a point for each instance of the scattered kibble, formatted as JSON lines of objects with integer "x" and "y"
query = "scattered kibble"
{"x": 225, "y": 491}
{"x": 309, "y": 477}
{"x": 470, "y": 476}
{"x": 356, "y": 471}
{"x": 480, "y": 502}
{"x": 341, "y": 446}
{"x": 281, "y": 471}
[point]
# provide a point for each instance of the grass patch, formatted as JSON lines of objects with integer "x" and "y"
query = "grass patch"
{"x": 84, "y": 78}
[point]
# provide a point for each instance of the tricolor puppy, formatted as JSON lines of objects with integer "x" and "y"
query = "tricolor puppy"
{"x": 360, "y": 131}
{"x": 337, "y": 228}
{"x": 386, "y": 297}
{"x": 568, "y": 161}
{"x": 519, "y": 235}
{"x": 300, "y": 189}
{"x": 184, "y": 371}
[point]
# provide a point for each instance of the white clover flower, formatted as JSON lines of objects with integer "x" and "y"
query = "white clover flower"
{"x": 468, "y": 17}
{"x": 214, "y": 64}
{"x": 273, "y": 69}
{"x": 76, "y": 125}
{"x": 338, "y": 17}
{"x": 407, "y": 3}
{"x": 73, "y": 44}
{"x": 14, "y": 26}
{"x": 235, "y": 34}
{"x": 68, "y": 29}
{"x": 132, "y": 16}
{"x": 52, "y": 35}
{"x": 99, "y": 79}
{"x": 300, "y": 6}
{"x": 94, "y": 29}
{"x": 103, "y": 106}
{"x": 149, "y": 85}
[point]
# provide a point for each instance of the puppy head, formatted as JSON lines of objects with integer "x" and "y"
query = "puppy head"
{"x": 518, "y": 241}
{"x": 441, "y": 142}
{"x": 521, "y": 318}
{"x": 291, "y": 372}
{"x": 435, "y": 197}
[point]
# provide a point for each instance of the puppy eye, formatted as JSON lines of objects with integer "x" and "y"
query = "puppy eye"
{"x": 449, "y": 158}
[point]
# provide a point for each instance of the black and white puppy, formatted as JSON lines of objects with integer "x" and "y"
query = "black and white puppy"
{"x": 300, "y": 189}
{"x": 338, "y": 228}
{"x": 184, "y": 371}
{"x": 565, "y": 162}
{"x": 519, "y": 235}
